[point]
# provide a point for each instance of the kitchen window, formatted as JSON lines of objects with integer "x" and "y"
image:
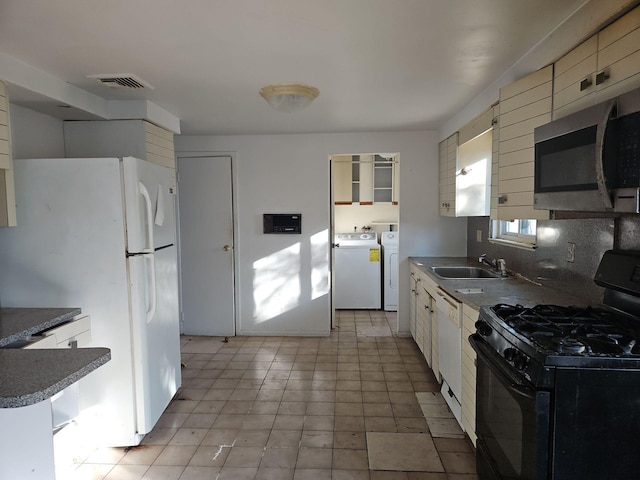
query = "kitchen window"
{"x": 519, "y": 233}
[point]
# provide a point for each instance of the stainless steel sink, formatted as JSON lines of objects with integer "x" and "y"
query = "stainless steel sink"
{"x": 464, "y": 273}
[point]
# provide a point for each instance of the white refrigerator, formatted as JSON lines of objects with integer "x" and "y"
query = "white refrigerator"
{"x": 99, "y": 234}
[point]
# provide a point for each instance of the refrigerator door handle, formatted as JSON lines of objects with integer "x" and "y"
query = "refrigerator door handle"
{"x": 149, "y": 254}
{"x": 149, "y": 217}
{"x": 151, "y": 311}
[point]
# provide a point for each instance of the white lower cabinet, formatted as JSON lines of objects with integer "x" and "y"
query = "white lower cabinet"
{"x": 26, "y": 442}
{"x": 424, "y": 320}
{"x": 65, "y": 405}
{"x": 425, "y": 330}
{"x": 429, "y": 289}
{"x": 30, "y": 450}
{"x": 469, "y": 318}
{"x": 414, "y": 279}
{"x": 422, "y": 324}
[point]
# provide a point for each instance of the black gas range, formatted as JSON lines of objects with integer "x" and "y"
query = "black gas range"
{"x": 558, "y": 387}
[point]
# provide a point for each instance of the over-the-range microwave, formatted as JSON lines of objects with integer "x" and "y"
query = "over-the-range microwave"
{"x": 589, "y": 161}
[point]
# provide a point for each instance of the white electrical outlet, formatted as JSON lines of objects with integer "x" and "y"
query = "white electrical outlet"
{"x": 571, "y": 252}
{"x": 479, "y": 236}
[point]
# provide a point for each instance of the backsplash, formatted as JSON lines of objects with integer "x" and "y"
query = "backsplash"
{"x": 548, "y": 263}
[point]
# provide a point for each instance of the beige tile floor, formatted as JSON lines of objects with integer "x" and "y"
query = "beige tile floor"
{"x": 296, "y": 408}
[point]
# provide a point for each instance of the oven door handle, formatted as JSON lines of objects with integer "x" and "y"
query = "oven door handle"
{"x": 496, "y": 365}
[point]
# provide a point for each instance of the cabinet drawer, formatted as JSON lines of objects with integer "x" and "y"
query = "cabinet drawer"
{"x": 44, "y": 342}
{"x": 82, "y": 339}
{"x": 78, "y": 330}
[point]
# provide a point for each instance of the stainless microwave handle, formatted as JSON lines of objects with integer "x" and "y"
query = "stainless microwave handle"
{"x": 600, "y": 134}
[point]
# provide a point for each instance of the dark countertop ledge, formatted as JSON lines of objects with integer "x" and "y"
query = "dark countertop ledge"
{"x": 19, "y": 323}
{"x": 29, "y": 376}
{"x": 509, "y": 290}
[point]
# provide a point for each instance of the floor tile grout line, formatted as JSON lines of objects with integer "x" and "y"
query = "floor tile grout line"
{"x": 394, "y": 349}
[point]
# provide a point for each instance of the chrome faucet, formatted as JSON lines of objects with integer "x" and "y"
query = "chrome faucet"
{"x": 502, "y": 266}
{"x": 499, "y": 265}
{"x": 488, "y": 260}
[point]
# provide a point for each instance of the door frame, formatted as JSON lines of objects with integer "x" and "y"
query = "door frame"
{"x": 332, "y": 310}
{"x": 234, "y": 255}
{"x": 332, "y": 231}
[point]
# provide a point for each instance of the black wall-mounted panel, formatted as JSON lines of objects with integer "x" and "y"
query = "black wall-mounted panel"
{"x": 282, "y": 223}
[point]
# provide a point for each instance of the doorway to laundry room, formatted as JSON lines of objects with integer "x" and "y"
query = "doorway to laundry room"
{"x": 364, "y": 230}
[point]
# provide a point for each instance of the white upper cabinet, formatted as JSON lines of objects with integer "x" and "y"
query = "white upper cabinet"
{"x": 383, "y": 176}
{"x": 602, "y": 67}
{"x": 448, "y": 157}
{"x": 465, "y": 168}
{"x": 7, "y": 191}
{"x": 365, "y": 179}
{"x": 573, "y": 83}
{"x": 524, "y": 105}
{"x": 619, "y": 56}
{"x": 473, "y": 166}
{"x": 343, "y": 179}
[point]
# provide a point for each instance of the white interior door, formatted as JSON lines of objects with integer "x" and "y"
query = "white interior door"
{"x": 205, "y": 206}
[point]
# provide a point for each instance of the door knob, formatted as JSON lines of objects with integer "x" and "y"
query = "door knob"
{"x": 227, "y": 248}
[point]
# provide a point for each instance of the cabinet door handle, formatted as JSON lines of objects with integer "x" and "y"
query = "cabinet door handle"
{"x": 602, "y": 77}
{"x": 586, "y": 83}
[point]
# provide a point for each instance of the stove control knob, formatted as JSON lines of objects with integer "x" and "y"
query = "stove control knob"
{"x": 510, "y": 353}
{"x": 483, "y": 328}
{"x": 520, "y": 362}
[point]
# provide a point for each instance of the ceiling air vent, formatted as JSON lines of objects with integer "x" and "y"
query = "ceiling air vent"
{"x": 120, "y": 80}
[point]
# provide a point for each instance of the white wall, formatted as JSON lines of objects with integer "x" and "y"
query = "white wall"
{"x": 290, "y": 173}
{"x": 35, "y": 135}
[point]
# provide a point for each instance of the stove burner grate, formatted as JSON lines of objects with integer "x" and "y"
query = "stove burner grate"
{"x": 572, "y": 330}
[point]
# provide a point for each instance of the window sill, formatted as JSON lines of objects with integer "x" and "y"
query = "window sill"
{"x": 511, "y": 243}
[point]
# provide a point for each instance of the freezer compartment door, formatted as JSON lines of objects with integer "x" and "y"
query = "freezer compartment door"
{"x": 149, "y": 205}
{"x": 156, "y": 334}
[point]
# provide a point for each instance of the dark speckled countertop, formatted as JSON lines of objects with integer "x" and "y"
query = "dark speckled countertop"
{"x": 29, "y": 376}
{"x": 509, "y": 290}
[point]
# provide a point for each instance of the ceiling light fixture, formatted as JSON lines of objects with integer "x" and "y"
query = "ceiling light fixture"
{"x": 289, "y": 97}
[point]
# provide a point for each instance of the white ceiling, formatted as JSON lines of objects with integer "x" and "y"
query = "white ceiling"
{"x": 379, "y": 64}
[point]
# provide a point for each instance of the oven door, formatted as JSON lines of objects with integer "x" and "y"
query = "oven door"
{"x": 512, "y": 420}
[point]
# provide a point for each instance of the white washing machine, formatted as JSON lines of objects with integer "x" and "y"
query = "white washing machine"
{"x": 357, "y": 271}
{"x": 389, "y": 242}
